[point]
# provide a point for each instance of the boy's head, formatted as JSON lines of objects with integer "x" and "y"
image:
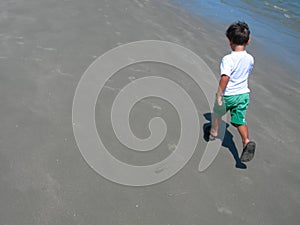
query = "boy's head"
{"x": 238, "y": 33}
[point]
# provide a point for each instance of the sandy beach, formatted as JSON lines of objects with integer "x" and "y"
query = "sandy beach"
{"x": 45, "y": 48}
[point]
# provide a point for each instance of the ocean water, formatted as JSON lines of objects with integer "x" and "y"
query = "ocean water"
{"x": 274, "y": 23}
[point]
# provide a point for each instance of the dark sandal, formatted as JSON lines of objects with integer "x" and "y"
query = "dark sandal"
{"x": 248, "y": 152}
{"x": 207, "y": 135}
{"x": 212, "y": 138}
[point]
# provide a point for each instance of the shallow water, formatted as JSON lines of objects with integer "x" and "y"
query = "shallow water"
{"x": 274, "y": 23}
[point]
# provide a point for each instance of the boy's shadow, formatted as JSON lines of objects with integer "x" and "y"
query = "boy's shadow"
{"x": 227, "y": 141}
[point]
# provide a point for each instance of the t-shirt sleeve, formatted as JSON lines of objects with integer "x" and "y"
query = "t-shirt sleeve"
{"x": 226, "y": 67}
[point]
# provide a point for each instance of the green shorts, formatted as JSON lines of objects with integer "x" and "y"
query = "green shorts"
{"x": 237, "y": 105}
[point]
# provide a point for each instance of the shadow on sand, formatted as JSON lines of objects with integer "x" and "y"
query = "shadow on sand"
{"x": 227, "y": 141}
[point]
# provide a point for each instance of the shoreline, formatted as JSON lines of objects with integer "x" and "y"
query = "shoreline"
{"x": 280, "y": 43}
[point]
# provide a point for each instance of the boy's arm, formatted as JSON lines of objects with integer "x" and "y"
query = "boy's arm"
{"x": 222, "y": 85}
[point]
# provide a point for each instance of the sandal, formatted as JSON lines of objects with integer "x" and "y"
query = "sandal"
{"x": 248, "y": 152}
{"x": 207, "y": 135}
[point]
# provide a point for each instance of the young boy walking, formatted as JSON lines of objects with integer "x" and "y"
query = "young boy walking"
{"x": 233, "y": 91}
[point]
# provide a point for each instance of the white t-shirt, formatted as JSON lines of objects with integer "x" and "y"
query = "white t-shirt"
{"x": 238, "y": 66}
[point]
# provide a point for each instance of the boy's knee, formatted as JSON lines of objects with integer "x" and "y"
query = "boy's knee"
{"x": 236, "y": 125}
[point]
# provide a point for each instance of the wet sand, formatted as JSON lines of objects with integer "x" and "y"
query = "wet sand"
{"x": 45, "y": 47}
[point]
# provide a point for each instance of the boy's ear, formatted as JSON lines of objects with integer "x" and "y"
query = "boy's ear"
{"x": 229, "y": 42}
{"x": 248, "y": 42}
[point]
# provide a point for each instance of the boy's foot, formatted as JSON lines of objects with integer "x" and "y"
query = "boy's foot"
{"x": 207, "y": 135}
{"x": 248, "y": 152}
{"x": 212, "y": 138}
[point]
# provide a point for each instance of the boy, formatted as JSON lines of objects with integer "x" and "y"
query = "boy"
{"x": 233, "y": 91}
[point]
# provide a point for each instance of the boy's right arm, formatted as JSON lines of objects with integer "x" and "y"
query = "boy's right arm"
{"x": 222, "y": 85}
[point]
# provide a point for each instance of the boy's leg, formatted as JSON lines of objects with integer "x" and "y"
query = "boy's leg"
{"x": 218, "y": 112}
{"x": 215, "y": 126}
{"x": 238, "y": 113}
{"x": 243, "y": 130}
{"x": 238, "y": 120}
{"x": 248, "y": 146}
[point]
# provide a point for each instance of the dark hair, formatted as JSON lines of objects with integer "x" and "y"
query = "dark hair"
{"x": 238, "y": 33}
